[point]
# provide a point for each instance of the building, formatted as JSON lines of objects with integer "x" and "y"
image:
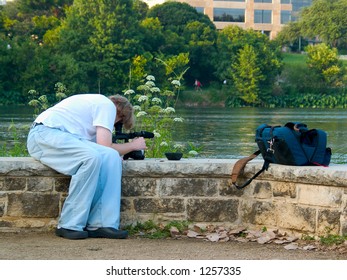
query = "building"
{"x": 267, "y": 16}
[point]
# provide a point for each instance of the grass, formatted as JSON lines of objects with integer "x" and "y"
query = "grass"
{"x": 296, "y": 59}
{"x": 209, "y": 96}
{"x": 293, "y": 59}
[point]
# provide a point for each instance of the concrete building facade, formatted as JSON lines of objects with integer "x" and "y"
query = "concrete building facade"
{"x": 267, "y": 16}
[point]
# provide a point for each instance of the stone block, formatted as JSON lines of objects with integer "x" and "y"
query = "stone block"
{"x": 284, "y": 189}
{"x": 187, "y": 187}
{"x": 14, "y": 184}
{"x": 328, "y": 220}
{"x": 296, "y": 217}
{"x": 324, "y": 196}
{"x": 33, "y": 205}
{"x": 126, "y": 205}
{"x": 61, "y": 184}
{"x": 344, "y": 228}
{"x": 159, "y": 205}
{"x": 258, "y": 212}
{"x": 5, "y": 224}
{"x": 262, "y": 189}
{"x": 226, "y": 188}
{"x": 212, "y": 210}
{"x": 40, "y": 184}
{"x": 138, "y": 187}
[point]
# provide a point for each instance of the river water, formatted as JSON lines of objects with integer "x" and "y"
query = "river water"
{"x": 223, "y": 132}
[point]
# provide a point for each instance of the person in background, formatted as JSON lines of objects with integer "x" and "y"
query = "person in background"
{"x": 197, "y": 85}
{"x": 74, "y": 137}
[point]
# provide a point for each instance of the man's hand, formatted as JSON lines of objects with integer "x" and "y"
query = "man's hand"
{"x": 104, "y": 137}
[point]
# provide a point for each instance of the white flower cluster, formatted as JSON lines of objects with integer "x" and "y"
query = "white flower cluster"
{"x": 176, "y": 83}
{"x": 143, "y": 98}
{"x": 156, "y": 134}
{"x": 156, "y": 100}
{"x": 150, "y": 78}
{"x": 164, "y": 144}
{"x": 155, "y": 89}
{"x": 129, "y": 92}
{"x": 137, "y": 108}
{"x": 169, "y": 110}
{"x": 141, "y": 113}
{"x": 178, "y": 147}
{"x": 150, "y": 84}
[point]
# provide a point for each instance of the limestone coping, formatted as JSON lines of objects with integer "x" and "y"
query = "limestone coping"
{"x": 334, "y": 175}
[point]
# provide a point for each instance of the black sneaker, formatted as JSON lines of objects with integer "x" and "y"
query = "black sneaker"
{"x": 71, "y": 234}
{"x": 108, "y": 232}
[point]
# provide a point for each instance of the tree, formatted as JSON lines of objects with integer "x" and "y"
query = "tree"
{"x": 187, "y": 31}
{"x": 247, "y": 75}
{"x": 102, "y": 36}
{"x": 233, "y": 39}
{"x": 325, "y": 19}
{"x": 325, "y": 62}
{"x": 175, "y": 16}
{"x": 290, "y": 36}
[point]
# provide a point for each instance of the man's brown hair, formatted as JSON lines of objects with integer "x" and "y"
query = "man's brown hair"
{"x": 125, "y": 110}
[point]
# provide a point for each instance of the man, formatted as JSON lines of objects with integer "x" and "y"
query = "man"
{"x": 74, "y": 138}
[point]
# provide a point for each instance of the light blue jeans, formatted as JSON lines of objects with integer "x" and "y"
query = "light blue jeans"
{"x": 94, "y": 194}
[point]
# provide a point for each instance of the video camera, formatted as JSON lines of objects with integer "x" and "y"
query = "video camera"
{"x": 119, "y": 135}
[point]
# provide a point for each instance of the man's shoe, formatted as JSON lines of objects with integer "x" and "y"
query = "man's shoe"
{"x": 71, "y": 234}
{"x": 108, "y": 232}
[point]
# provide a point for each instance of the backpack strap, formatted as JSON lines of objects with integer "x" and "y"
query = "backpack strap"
{"x": 240, "y": 165}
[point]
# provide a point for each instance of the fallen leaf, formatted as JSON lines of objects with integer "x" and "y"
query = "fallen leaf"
{"x": 292, "y": 246}
{"x": 214, "y": 237}
{"x": 192, "y": 233}
{"x": 174, "y": 232}
{"x": 237, "y": 230}
{"x": 309, "y": 248}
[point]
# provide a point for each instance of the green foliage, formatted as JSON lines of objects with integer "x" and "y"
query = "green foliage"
{"x": 246, "y": 75}
{"x": 332, "y": 239}
{"x": 325, "y": 19}
{"x": 325, "y": 63}
{"x": 41, "y": 102}
{"x": 152, "y": 230}
{"x": 175, "y": 16}
{"x": 106, "y": 46}
{"x": 187, "y": 31}
{"x": 265, "y": 59}
{"x": 16, "y": 149}
{"x": 308, "y": 100}
{"x": 155, "y": 112}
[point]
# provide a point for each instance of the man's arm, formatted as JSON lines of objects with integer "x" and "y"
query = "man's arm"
{"x": 104, "y": 137}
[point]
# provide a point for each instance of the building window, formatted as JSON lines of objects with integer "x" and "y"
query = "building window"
{"x": 262, "y": 16}
{"x": 285, "y": 1}
{"x": 262, "y": 1}
{"x": 286, "y": 16}
{"x": 229, "y": 15}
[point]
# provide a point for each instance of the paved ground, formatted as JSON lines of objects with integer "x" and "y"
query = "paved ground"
{"x": 46, "y": 246}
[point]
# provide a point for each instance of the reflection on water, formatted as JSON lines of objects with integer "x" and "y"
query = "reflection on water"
{"x": 229, "y": 132}
{"x": 224, "y": 132}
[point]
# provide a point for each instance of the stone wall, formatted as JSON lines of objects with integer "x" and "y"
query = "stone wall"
{"x": 298, "y": 200}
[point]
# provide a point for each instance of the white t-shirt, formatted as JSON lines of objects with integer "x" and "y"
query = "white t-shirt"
{"x": 80, "y": 114}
